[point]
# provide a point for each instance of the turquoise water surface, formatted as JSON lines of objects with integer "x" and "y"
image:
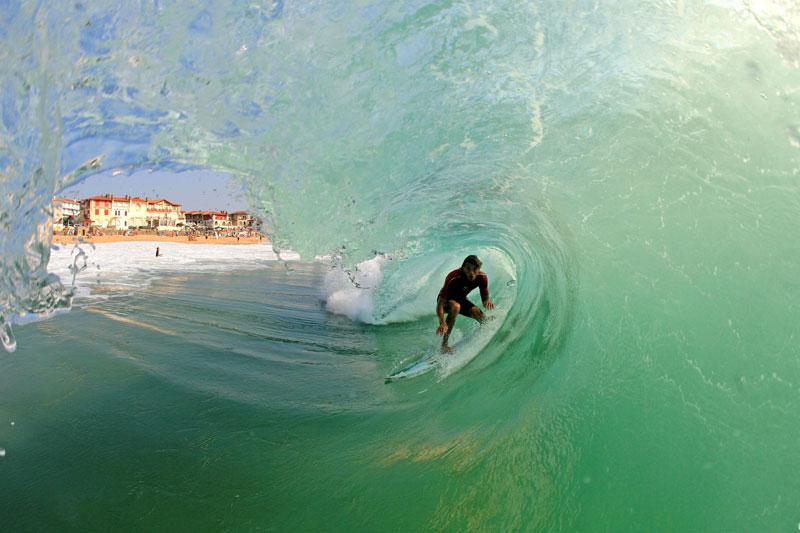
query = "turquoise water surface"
{"x": 627, "y": 170}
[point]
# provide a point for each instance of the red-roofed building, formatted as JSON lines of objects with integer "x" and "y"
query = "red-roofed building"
{"x": 208, "y": 219}
{"x": 96, "y": 211}
{"x": 200, "y": 219}
{"x": 163, "y": 214}
{"x": 125, "y": 212}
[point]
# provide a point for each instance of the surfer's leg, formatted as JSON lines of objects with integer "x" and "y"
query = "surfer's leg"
{"x": 477, "y": 314}
{"x": 453, "y": 307}
{"x": 471, "y": 310}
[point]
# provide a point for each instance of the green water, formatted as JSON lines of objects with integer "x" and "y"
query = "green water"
{"x": 628, "y": 172}
{"x": 234, "y": 401}
{"x": 197, "y": 413}
{"x": 223, "y": 401}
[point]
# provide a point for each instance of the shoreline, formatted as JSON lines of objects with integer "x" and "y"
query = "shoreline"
{"x": 73, "y": 239}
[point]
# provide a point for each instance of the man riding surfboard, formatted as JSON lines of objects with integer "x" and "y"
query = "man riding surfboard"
{"x": 452, "y": 298}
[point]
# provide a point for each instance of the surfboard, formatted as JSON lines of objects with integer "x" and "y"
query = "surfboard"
{"x": 434, "y": 359}
{"x": 421, "y": 366}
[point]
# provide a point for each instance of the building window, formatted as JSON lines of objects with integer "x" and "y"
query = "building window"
{"x": 105, "y": 211}
{"x": 96, "y": 211}
{"x": 126, "y": 213}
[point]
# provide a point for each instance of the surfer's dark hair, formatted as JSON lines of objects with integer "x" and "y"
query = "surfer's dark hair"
{"x": 473, "y": 261}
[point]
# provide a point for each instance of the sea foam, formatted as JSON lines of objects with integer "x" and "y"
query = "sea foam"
{"x": 135, "y": 264}
{"x": 352, "y": 293}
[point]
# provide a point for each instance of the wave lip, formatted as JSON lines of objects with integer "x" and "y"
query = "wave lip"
{"x": 373, "y": 134}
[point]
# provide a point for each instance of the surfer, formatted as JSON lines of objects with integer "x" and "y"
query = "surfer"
{"x": 453, "y": 300}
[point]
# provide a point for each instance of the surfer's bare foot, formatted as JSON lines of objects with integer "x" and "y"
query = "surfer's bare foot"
{"x": 446, "y": 349}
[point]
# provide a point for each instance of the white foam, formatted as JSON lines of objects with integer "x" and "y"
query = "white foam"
{"x": 135, "y": 263}
{"x": 367, "y": 295}
{"x": 353, "y": 293}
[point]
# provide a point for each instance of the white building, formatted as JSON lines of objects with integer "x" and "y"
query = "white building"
{"x": 241, "y": 219}
{"x": 137, "y": 213}
{"x": 120, "y": 206}
{"x": 66, "y": 212}
{"x": 165, "y": 215}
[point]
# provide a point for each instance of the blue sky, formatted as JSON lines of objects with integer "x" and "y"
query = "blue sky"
{"x": 193, "y": 189}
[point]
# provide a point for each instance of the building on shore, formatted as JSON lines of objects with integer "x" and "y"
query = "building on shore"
{"x": 66, "y": 212}
{"x": 241, "y": 220}
{"x": 165, "y": 215}
{"x": 124, "y": 213}
{"x": 209, "y": 220}
{"x": 96, "y": 211}
{"x": 120, "y": 206}
{"x": 199, "y": 219}
{"x": 137, "y": 213}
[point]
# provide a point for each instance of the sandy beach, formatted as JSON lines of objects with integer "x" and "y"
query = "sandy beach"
{"x": 71, "y": 239}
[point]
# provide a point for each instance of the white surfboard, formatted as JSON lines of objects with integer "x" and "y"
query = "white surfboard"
{"x": 421, "y": 366}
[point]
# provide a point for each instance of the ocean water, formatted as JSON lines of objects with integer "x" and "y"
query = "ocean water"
{"x": 627, "y": 170}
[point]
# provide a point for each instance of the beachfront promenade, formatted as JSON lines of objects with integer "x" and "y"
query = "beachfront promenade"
{"x": 110, "y": 218}
{"x": 254, "y": 238}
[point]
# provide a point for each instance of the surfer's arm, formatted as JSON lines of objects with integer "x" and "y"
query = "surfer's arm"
{"x": 442, "y": 329}
{"x": 483, "y": 284}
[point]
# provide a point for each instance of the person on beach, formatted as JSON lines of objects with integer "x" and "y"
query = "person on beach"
{"x": 452, "y": 298}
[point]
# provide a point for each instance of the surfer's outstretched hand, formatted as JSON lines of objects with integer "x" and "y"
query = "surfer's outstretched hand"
{"x": 488, "y": 304}
{"x": 442, "y": 329}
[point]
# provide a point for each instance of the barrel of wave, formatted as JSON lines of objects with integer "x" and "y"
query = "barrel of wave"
{"x": 385, "y": 290}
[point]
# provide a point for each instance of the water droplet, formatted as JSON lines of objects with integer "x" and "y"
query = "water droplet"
{"x": 794, "y": 135}
{"x": 2, "y": 452}
{"x": 6, "y": 335}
